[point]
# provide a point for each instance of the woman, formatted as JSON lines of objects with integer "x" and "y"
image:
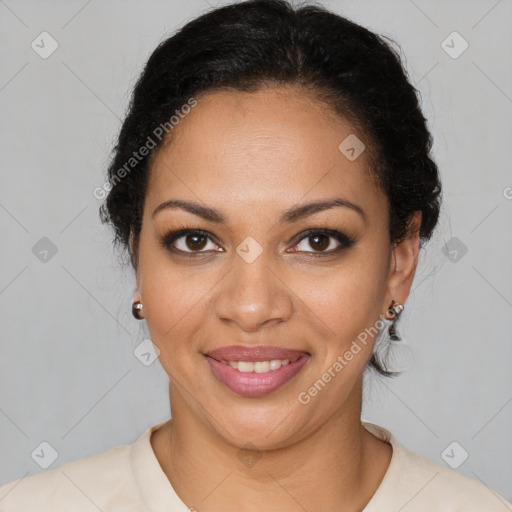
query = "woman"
{"x": 273, "y": 186}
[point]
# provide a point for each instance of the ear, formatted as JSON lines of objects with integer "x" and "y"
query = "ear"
{"x": 133, "y": 249}
{"x": 403, "y": 262}
{"x": 133, "y": 257}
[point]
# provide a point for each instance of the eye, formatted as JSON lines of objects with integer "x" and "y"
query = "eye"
{"x": 323, "y": 241}
{"x": 317, "y": 242}
{"x": 189, "y": 241}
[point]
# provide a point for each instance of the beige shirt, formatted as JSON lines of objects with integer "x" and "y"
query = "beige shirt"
{"x": 129, "y": 478}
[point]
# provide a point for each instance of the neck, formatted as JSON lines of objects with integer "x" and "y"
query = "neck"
{"x": 338, "y": 466}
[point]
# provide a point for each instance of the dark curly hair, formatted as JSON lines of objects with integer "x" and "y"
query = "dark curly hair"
{"x": 249, "y": 45}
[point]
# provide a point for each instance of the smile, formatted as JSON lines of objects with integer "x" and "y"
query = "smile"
{"x": 255, "y": 371}
{"x": 259, "y": 366}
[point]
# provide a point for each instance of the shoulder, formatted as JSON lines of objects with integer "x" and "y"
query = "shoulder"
{"x": 437, "y": 486}
{"x": 416, "y": 484}
{"x": 84, "y": 485}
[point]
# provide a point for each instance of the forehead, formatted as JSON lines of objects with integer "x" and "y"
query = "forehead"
{"x": 274, "y": 146}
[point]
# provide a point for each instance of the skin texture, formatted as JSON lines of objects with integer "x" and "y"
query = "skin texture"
{"x": 252, "y": 156}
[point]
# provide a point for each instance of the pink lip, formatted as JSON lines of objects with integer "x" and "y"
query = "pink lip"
{"x": 252, "y": 384}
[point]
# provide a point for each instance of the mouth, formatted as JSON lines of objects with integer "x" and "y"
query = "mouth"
{"x": 255, "y": 371}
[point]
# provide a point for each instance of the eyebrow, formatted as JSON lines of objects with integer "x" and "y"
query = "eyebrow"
{"x": 292, "y": 215}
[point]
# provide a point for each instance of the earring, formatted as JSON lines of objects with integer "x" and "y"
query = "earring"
{"x": 136, "y": 307}
{"x": 395, "y": 309}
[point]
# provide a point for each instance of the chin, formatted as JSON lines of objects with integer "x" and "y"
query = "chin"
{"x": 264, "y": 425}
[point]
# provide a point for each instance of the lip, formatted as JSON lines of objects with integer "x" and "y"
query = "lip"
{"x": 252, "y": 384}
{"x": 251, "y": 354}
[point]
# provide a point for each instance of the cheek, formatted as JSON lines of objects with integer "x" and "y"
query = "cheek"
{"x": 175, "y": 305}
{"x": 346, "y": 299}
{"x": 335, "y": 303}
{"x": 174, "y": 301}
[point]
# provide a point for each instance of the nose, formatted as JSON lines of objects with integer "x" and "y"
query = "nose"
{"x": 253, "y": 295}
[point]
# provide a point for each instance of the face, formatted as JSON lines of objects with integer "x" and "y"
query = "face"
{"x": 258, "y": 275}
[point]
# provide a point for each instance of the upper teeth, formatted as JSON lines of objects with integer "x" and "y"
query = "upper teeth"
{"x": 259, "y": 366}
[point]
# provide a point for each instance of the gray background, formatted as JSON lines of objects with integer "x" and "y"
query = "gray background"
{"x": 68, "y": 374}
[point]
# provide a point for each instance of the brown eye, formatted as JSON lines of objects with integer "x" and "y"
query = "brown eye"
{"x": 319, "y": 242}
{"x": 189, "y": 241}
{"x": 195, "y": 242}
{"x": 323, "y": 241}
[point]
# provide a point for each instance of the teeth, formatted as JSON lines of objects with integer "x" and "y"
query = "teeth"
{"x": 245, "y": 366}
{"x": 275, "y": 364}
{"x": 262, "y": 366}
{"x": 259, "y": 366}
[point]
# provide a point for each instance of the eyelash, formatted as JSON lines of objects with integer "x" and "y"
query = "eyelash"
{"x": 344, "y": 240}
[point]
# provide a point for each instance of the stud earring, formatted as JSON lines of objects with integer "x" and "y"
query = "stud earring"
{"x": 136, "y": 308}
{"x": 395, "y": 309}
